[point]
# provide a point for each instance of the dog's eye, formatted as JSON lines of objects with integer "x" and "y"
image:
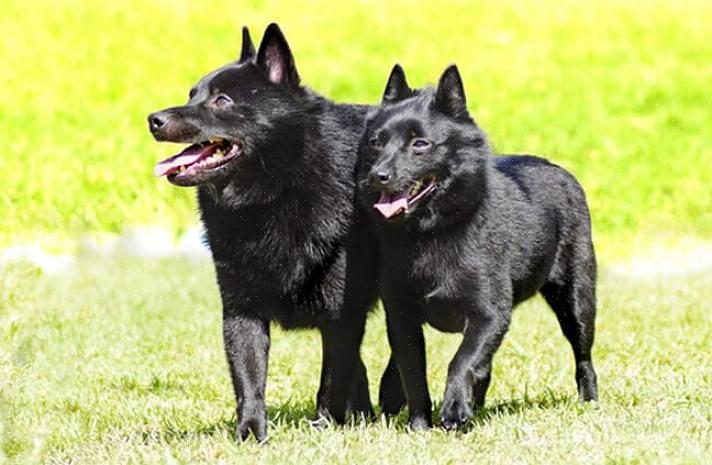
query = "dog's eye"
{"x": 222, "y": 100}
{"x": 374, "y": 142}
{"x": 420, "y": 144}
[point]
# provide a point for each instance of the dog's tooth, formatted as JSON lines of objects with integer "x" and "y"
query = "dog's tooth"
{"x": 416, "y": 187}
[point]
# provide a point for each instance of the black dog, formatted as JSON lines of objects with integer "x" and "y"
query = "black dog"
{"x": 275, "y": 168}
{"x": 464, "y": 237}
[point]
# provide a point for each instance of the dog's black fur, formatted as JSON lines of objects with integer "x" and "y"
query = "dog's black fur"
{"x": 491, "y": 233}
{"x": 287, "y": 241}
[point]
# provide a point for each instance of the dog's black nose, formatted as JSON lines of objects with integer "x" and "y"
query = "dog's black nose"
{"x": 156, "y": 121}
{"x": 379, "y": 178}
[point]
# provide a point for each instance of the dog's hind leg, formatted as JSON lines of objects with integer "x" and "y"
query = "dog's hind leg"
{"x": 322, "y": 396}
{"x": 574, "y": 303}
{"x": 391, "y": 396}
{"x": 359, "y": 403}
{"x": 343, "y": 374}
{"x": 359, "y": 400}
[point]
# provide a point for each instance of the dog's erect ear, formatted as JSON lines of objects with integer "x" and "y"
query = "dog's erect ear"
{"x": 450, "y": 96}
{"x": 397, "y": 87}
{"x": 275, "y": 58}
{"x": 248, "y": 48}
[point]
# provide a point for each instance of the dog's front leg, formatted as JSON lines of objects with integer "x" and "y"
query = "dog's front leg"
{"x": 405, "y": 335}
{"x": 469, "y": 371}
{"x": 247, "y": 347}
{"x": 322, "y": 396}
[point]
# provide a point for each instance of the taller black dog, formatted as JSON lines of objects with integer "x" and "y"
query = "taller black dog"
{"x": 464, "y": 237}
{"x": 275, "y": 165}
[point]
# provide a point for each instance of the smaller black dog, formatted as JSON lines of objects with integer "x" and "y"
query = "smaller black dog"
{"x": 464, "y": 237}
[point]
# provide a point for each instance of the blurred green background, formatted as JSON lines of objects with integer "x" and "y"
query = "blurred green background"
{"x": 617, "y": 92}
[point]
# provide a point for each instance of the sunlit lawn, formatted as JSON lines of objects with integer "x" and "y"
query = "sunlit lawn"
{"x": 122, "y": 362}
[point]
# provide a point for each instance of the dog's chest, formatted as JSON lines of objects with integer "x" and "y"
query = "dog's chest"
{"x": 438, "y": 277}
{"x": 277, "y": 250}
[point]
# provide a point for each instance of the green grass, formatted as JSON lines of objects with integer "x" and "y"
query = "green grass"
{"x": 618, "y": 92}
{"x": 122, "y": 362}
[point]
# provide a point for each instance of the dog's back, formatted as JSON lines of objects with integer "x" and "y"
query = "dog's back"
{"x": 543, "y": 214}
{"x": 546, "y": 184}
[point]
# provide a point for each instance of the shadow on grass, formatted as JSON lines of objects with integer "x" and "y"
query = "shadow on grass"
{"x": 288, "y": 415}
{"x": 545, "y": 401}
{"x": 174, "y": 433}
{"x": 299, "y": 415}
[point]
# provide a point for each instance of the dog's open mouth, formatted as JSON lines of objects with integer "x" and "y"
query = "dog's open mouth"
{"x": 391, "y": 205}
{"x": 198, "y": 159}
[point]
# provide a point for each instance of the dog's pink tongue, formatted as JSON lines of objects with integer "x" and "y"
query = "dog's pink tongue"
{"x": 187, "y": 157}
{"x": 391, "y": 204}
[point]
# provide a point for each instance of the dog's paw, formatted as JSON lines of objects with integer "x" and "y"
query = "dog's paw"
{"x": 420, "y": 423}
{"x": 255, "y": 424}
{"x": 321, "y": 422}
{"x": 454, "y": 414}
{"x": 392, "y": 403}
{"x": 391, "y": 396}
{"x": 362, "y": 415}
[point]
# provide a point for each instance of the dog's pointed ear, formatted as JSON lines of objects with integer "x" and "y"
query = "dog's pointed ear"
{"x": 275, "y": 58}
{"x": 248, "y": 48}
{"x": 450, "y": 95}
{"x": 397, "y": 87}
